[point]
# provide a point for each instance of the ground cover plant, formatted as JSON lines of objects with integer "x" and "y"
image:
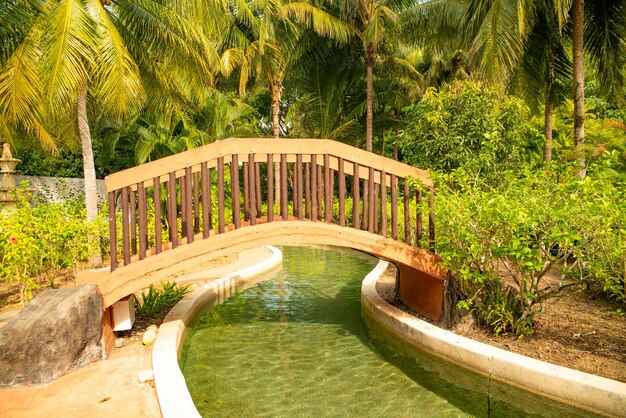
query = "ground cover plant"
{"x": 158, "y": 300}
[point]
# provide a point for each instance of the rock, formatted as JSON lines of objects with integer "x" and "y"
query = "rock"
{"x": 145, "y": 375}
{"x": 149, "y": 337}
{"x": 119, "y": 342}
{"x": 58, "y": 331}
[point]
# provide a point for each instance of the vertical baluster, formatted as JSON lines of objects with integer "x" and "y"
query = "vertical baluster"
{"x": 112, "y": 231}
{"x": 298, "y": 181}
{"x": 257, "y": 187}
{"x": 158, "y": 228}
{"x": 125, "y": 227}
{"x": 320, "y": 191}
{"x": 133, "y": 221}
{"x": 394, "y": 207}
{"x": 342, "y": 192}
{"x": 252, "y": 189}
{"x": 246, "y": 192}
{"x": 183, "y": 207}
{"x": 205, "y": 175}
{"x": 383, "y": 204}
{"x": 294, "y": 190}
{"x": 407, "y": 213}
{"x": 196, "y": 203}
{"x": 188, "y": 205}
{"x": 328, "y": 192}
{"x": 220, "y": 194}
{"x": 376, "y": 203}
{"x": 355, "y": 196}
{"x": 284, "y": 205}
{"x": 418, "y": 219}
{"x": 143, "y": 220}
{"x": 307, "y": 190}
{"x": 314, "y": 187}
{"x": 270, "y": 187}
{"x": 234, "y": 189}
{"x": 371, "y": 201}
{"x": 172, "y": 215}
{"x": 431, "y": 219}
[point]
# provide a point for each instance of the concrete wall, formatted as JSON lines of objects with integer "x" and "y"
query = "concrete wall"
{"x": 54, "y": 189}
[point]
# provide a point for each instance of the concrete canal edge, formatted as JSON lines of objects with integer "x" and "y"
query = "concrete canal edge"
{"x": 582, "y": 390}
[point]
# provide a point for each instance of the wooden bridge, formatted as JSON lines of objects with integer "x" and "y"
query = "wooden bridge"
{"x": 241, "y": 193}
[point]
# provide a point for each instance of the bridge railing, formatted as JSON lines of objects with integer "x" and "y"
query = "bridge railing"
{"x": 232, "y": 183}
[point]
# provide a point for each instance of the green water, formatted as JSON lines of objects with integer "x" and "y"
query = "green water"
{"x": 295, "y": 345}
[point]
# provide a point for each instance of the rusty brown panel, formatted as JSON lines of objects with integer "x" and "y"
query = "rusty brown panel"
{"x": 307, "y": 190}
{"x": 394, "y": 207}
{"x": 252, "y": 189}
{"x": 431, "y": 219}
{"x": 355, "y": 197}
{"x": 188, "y": 205}
{"x": 246, "y": 192}
{"x": 196, "y": 203}
{"x": 284, "y": 204}
{"x": 371, "y": 201}
{"x": 205, "y": 179}
{"x": 298, "y": 181}
{"x": 143, "y": 220}
{"x": 220, "y": 195}
{"x": 234, "y": 191}
{"x": 383, "y": 204}
{"x": 314, "y": 201}
{"x": 132, "y": 211}
{"x": 125, "y": 227}
{"x": 342, "y": 192}
{"x": 257, "y": 187}
{"x": 158, "y": 229}
{"x": 172, "y": 215}
{"x": 328, "y": 192}
{"x": 270, "y": 187}
{"x": 112, "y": 231}
{"x": 421, "y": 292}
{"x": 418, "y": 217}
{"x": 407, "y": 212}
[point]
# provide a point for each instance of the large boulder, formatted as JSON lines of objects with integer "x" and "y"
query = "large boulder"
{"x": 57, "y": 332}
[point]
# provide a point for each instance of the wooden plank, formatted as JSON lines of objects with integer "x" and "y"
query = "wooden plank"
{"x": 328, "y": 192}
{"x": 270, "y": 187}
{"x": 260, "y": 147}
{"x": 234, "y": 190}
{"x": 407, "y": 213}
{"x": 132, "y": 212}
{"x": 314, "y": 202}
{"x": 125, "y": 227}
{"x": 298, "y": 181}
{"x": 172, "y": 216}
{"x": 355, "y": 197}
{"x": 112, "y": 231}
{"x": 143, "y": 220}
{"x": 371, "y": 201}
{"x": 252, "y": 189}
{"x": 418, "y": 219}
{"x": 383, "y": 204}
{"x": 342, "y": 193}
{"x": 394, "y": 207}
{"x": 307, "y": 190}
{"x": 158, "y": 228}
{"x": 206, "y": 199}
{"x": 220, "y": 195}
{"x": 284, "y": 204}
{"x": 188, "y": 206}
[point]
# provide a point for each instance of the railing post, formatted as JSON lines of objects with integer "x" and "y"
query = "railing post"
{"x": 196, "y": 203}
{"x": 342, "y": 192}
{"x": 252, "y": 189}
{"x": 394, "y": 207}
{"x": 314, "y": 187}
{"x": 112, "y": 231}
{"x": 284, "y": 205}
{"x": 371, "y": 201}
{"x": 355, "y": 196}
{"x": 270, "y": 187}
{"x": 220, "y": 195}
{"x": 205, "y": 177}
{"x": 298, "y": 182}
{"x": 246, "y": 192}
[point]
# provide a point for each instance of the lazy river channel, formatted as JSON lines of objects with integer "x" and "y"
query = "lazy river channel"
{"x": 295, "y": 345}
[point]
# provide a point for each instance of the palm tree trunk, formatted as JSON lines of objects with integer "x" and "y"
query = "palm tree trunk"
{"x": 89, "y": 170}
{"x": 369, "y": 121}
{"x": 578, "y": 11}
{"x": 547, "y": 129}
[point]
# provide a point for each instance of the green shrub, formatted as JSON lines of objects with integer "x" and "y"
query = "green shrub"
{"x": 157, "y": 301}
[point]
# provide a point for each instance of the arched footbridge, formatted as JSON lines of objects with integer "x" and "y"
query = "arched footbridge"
{"x": 240, "y": 193}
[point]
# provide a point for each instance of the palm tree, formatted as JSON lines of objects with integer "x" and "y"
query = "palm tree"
{"x": 55, "y": 55}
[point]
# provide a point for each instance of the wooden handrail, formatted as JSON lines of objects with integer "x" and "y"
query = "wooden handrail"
{"x": 317, "y": 191}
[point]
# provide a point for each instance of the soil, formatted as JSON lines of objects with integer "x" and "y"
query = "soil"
{"x": 578, "y": 330}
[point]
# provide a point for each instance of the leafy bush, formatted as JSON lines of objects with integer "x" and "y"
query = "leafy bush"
{"x": 504, "y": 241}
{"x": 157, "y": 301}
{"x": 467, "y": 125}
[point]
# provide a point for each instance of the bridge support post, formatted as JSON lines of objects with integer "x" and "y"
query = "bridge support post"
{"x": 421, "y": 292}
